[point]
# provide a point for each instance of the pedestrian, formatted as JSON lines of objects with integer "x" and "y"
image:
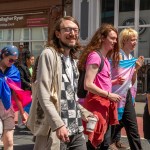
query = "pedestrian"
{"x": 26, "y": 70}
{"x": 100, "y": 100}
{"x": 127, "y": 69}
{"x": 55, "y": 117}
{"x": 9, "y": 98}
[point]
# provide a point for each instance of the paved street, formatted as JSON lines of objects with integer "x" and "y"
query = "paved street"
{"x": 23, "y": 137}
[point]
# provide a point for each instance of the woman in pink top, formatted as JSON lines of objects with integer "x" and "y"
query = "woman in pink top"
{"x": 99, "y": 100}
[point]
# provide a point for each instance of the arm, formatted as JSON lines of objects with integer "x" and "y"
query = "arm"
{"x": 44, "y": 82}
{"x": 84, "y": 112}
{"x": 46, "y": 67}
{"x": 22, "y": 76}
{"x": 91, "y": 72}
{"x": 24, "y": 115}
{"x": 148, "y": 100}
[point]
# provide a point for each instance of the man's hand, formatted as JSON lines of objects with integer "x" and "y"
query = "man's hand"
{"x": 62, "y": 134}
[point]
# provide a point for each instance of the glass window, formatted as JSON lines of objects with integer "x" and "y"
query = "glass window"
{"x": 84, "y": 19}
{"x": 21, "y": 34}
{"x": 45, "y": 33}
{"x": 26, "y": 34}
{"x": 126, "y": 12}
{"x": 37, "y": 33}
{"x": 17, "y": 34}
{"x": 2, "y": 44}
{"x": 107, "y": 7}
{"x": 1, "y": 35}
{"x": 37, "y": 48}
{"x": 144, "y": 5}
{"x": 7, "y": 35}
{"x": 144, "y": 12}
{"x": 144, "y": 43}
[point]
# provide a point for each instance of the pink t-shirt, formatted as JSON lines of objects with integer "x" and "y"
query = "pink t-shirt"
{"x": 102, "y": 79}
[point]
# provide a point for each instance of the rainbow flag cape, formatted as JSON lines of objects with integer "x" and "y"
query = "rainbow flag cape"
{"x": 11, "y": 81}
{"x": 125, "y": 70}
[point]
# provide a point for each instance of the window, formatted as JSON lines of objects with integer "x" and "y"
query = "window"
{"x": 84, "y": 19}
{"x": 1, "y": 35}
{"x": 107, "y": 14}
{"x": 32, "y": 39}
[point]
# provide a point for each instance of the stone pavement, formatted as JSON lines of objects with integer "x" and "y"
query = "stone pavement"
{"x": 23, "y": 138}
{"x": 139, "y": 108}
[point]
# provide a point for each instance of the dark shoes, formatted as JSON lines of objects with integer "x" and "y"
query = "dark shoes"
{"x": 118, "y": 145}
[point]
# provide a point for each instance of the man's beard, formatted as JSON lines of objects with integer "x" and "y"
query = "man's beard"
{"x": 64, "y": 45}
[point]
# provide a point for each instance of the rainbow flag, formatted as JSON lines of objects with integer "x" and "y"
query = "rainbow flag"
{"x": 11, "y": 81}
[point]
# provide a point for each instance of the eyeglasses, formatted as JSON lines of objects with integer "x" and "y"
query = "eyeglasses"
{"x": 69, "y": 29}
{"x": 12, "y": 60}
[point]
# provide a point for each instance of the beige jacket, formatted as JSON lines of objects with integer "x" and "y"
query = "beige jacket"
{"x": 45, "y": 108}
{"x": 44, "y": 111}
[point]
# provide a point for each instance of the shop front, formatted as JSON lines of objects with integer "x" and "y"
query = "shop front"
{"x": 28, "y": 24}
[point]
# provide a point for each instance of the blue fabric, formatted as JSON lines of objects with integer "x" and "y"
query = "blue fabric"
{"x": 127, "y": 63}
{"x": 120, "y": 113}
{"x": 125, "y": 69}
{"x": 27, "y": 108}
{"x": 5, "y": 92}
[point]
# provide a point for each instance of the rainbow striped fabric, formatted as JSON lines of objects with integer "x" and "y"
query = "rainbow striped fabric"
{"x": 10, "y": 80}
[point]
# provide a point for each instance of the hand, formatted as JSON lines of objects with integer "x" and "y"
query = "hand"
{"x": 62, "y": 134}
{"x": 114, "y": 97}
{"x": 91, "y": 115}
{"x": 24, "y": 117}
{"x": 139, "y": 62}
{"x": 120, "y": 80}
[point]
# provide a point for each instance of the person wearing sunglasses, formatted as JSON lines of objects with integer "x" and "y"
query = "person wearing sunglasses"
{"x": 9, "y": 93}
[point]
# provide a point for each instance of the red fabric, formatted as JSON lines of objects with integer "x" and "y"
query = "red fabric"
{"x": 106, "y": 112}
{"x": 23, "y": 96}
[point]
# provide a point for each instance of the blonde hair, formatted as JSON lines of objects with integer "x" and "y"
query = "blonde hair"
{"x": 125, "y": 35}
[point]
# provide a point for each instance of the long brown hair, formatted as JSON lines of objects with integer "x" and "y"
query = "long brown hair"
{"x": 55, "y": 41}
{"x": 96, "y": 43}
{"x": 33, "y": 79}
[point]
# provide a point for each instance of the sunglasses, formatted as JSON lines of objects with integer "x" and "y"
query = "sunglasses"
{"x": 12, "y": 60}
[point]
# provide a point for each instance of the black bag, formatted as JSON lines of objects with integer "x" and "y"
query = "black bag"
{"x": 81, "y": 92}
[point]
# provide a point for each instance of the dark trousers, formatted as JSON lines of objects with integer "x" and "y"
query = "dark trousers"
{"x": 130, "y": 123}
{"x": 116, "y": 132}
{"x": 107, "y": 140}
{"x": 77, "y": 142}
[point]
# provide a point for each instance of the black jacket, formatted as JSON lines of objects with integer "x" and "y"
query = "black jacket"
{"x": 25, "y": 77}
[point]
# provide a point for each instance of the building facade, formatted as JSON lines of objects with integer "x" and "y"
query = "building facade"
{"x": 123, "y": 14}
{"x": 28, "y": 23}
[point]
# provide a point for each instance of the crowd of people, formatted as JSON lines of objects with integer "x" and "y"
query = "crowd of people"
{"x": 56, "y": 115}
